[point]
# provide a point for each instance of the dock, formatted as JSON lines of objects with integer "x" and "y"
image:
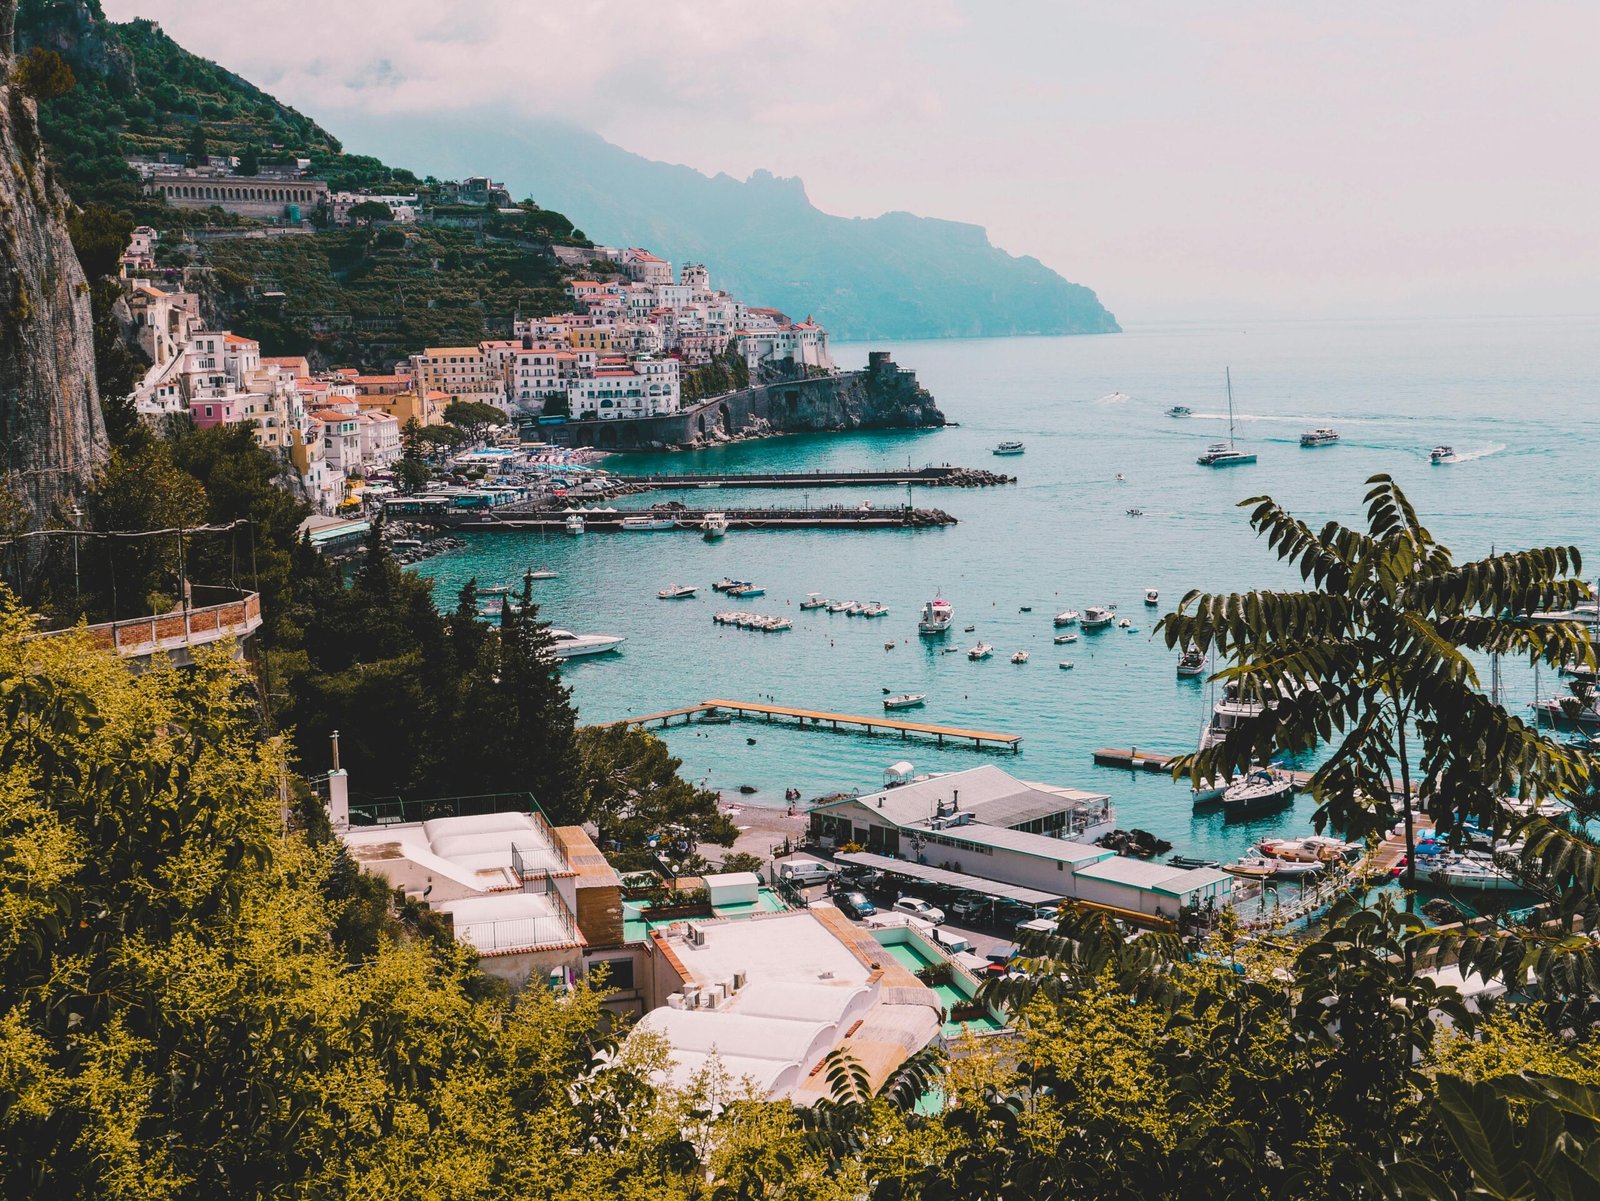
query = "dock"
{"x": 945, "y": 476}
{"x": 1133, "y": 759}
{"x": 820, "y": 719}
{"x": 598, "y": 521}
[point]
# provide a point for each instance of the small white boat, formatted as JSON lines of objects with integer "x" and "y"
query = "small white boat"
{"x": 839, "y": 606}
{"x": 567, "y": 645}
{"x": 1069, "y": 636}
{"x": 1009, "y": 448}
{"x": 906, "y": 700}
{"x": 1135, "y": 512}
{"x": 541, "y": 573}
{"x": 574, "y": 525}
{"x": 875, "y": 609}
{"x": 1180, "y": 411}
{"x": 1020, "y": 657}
{"x": 1067, "y": 617}
{"x": 677, "y": 592}
{"x": 1463, "y": 872}
{"x": 1322, "y": 436}
{"x": 1098, "y": 617}
{"x": 981, "y": 651}
{"x": 1125, "y": 624}
{"x": 937, "y": 615}
{"x": 1065, "y": 665}
{"x": 714, "y": 526}
{"x": 1192, "y": 662}
{"x": 813, "y": 600}
{"x": 747, "y": 589}
{"x": 1152, "y": 596}
{"x": 1263, "y": 867}
{"x": 1442, "y": 454}
{"x": 643, "y": 523}
{"x": 854, "y": 609}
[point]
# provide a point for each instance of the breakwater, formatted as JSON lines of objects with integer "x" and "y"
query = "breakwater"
{"x": 943, "y": 476}
{"x": 882, "y": 396}
{"x": 603, "y": 521}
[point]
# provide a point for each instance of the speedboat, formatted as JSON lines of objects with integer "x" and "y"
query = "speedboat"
{"x": 1321, "y": 436}
{"x": 1069, "y": 636}
{"x": 1135, "y": 512}
{"x": 1313, "y": 848}
{"x": 714, "y": 526}
{"x": 574, "y": 525}
{"x": 1262, "y": 867}
{"x": 937, "y": 615}
{"x": 1264, "y": 790}
{"x": 1180, "y": 411}
{"x": 1065, "y": 665}
{"x": 1098, "y": 617}
{"x": 1067, "y": 617}
{"x": 906, "y": 700}
{"x": 564, "y": 644}
{"x": 1020, "y": 657}
{"x": 1192, "y": 662}
{"x": 839, "y": 606}
{"x": 1009, "y": 448}
{"x": 677, "y": 592}
{"x": 813, "y": 600}
{"x": 875, "y": 609}
{"x": 746, "y": 588}
{"x": 644, "y": 523}
{"x": 1152, "y": 596}
{"x": 726, "y": 585}
{"x": 541, "y": 573}
{"x": 1442, "y": 454}
{"x": 981, "y": 651}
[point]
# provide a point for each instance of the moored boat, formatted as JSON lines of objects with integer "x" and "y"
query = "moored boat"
{"x": 1152, "y": 596}
{"x": 1098, "y": 617}
{"x": 813, "y": 600}
{"x": 937, "y": 615}
{"x": 1322, "y": 436}
{"x": 905, "y": 700}
{"x": 646, "y": 523}
{"x": 1067, "y": 617}
{"x": 839, "y": 606}
{"x": 1020, "y": 657}
{"x": 1192, "y": 662}
{"x": 573, "y": 525}
{"x": 677, "y": 592}
{"x": 1264, "y": 790}
{"x": 875, "y": 609}
{"x": 981, "y": 650}
{"x": 564, "y": 644}
{"x": 1009, "y": 448}
{"x": 747, "y": 589}
{"x": 714, "y": 526}
{"x": 1069, "y": 636}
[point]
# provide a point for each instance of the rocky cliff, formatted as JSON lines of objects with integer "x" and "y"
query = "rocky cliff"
{"x": 51, "y": 434}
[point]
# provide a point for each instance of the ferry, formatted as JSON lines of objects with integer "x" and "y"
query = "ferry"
{"x": 937, "y": 615}
{"x": 1098, "y": 617}
{"x": 813, "y": 600}
{"x": 1319, "y": 437}
{"x": 1067, "y": 617}
{"x": 981, "y": 651}
{"x": 642, "y": 523}
{"x": 567, "y": 645}
{"x": 1442, "y": 454}
{"x": 906, "y": 700}
{"x": 1180, "y": 411}
{"x": 1009, "y": 448}
{"x": 714, "y": 526}
{"x": 677, "y": 592}
{"x": 574, "y": 525}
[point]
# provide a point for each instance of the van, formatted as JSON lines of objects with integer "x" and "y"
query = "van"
{"x": 1044, "y": 925}
{"x": 805, "y": 872}
{"x": 954, "y": 944}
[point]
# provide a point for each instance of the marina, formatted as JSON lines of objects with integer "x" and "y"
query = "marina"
{"x": 709, "y": 521}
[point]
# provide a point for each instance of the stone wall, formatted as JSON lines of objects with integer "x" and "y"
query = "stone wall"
{"x": 883, "y": 396}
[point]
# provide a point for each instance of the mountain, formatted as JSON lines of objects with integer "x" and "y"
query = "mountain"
{"x": 894, "y": 276}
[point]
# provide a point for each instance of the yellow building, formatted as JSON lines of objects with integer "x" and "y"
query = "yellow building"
{"x": 595, "y": 337}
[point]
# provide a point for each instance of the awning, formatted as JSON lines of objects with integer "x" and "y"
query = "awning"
{"x": 939, "y": 875}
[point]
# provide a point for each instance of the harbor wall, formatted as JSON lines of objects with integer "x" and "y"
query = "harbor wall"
{"x": 883, "y": 396}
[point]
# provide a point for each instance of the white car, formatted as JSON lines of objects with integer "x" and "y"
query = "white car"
{"x": 917, "y": 907}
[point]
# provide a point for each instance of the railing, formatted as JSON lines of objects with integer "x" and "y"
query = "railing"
{"x": 390, "y": 810}
{"x": 238, "y": 617}
{"x": 530, "y": 933}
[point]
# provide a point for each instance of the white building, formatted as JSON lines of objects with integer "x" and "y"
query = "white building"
{"x": 618, "y": 388}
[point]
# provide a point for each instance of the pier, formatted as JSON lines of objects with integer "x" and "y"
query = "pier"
{"x": 818, "y": 719}
{"x": 946, "y": 476}
{"x": 608, "y": 521}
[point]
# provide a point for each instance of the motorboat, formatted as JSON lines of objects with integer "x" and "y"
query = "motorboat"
{"x": 1135, "y": 512}
{"x": 574, "y": 525}
{"x": 1262, "y": 867}
{"x": 1125, "y": 624}
{"x": 1466, "y": 872}
{"x": 713, "y": 526}
{"x": 1573, "y": 712}
{"x": 1020, "y": 657}
{"x": 854, "y": 609}
{"x": 1152, "y": 596}
{"x": 1065, "y": 665}
{"x": 564, "y": 644}
{"x": 725, "y": 584}
{"x": 1067, "y": 617}
{"x": 937, "y": 615}
{"x": 813, "y": 600}
{"x": 1319, "y": 437}
{"x": 1313, "y": 848}
{"x": 875, "y": 609}
{"x": 1263, "y": 790}
{"x": 1009, "y": 448}
{"x": 1069, "y": 636}
{"x": 1098, "y": 617}
{"x": 1192, "y": 662}
{"x": 1024, "y": 608}
{"x": 1180, "y": 411}
{"x": 647, "y": 523}
{"x": 969, "y": 629}
{"x": 981, "y": 651}
{"x": 745, "y": 588}
{"x": 1226, "y": 454}
{"x": 677, "y": 592}
{"x": 1209, "y": 790}
{"x": 1442, "y": 454}
{"x": 906, "y": 700}
{"x": 1190, "y": 862}
{"x": 839, "y": 606}
{"x": 541, "y": 573}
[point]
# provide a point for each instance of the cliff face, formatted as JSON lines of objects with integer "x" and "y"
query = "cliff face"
{"x": 51, "y": 434}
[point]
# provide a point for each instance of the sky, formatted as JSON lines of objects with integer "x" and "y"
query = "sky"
{"x": 1184, "y": 159}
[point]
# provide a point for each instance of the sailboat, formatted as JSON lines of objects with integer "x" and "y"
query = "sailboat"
{"x": 1225, "y": 454}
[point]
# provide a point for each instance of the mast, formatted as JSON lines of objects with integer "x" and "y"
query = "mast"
{"x": 1229, "y": 372}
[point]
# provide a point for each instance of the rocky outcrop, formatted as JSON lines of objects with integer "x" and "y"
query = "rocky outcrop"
{"x": 52, "y": 437}
{"x": 883, "y": 397}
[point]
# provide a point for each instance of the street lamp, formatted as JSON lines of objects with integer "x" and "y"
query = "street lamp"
{"x": 77, "y": 524}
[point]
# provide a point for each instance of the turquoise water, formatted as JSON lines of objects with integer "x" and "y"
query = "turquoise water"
{"x": 1515, "y": 398}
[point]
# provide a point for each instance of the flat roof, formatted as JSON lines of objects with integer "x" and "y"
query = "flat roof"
{"x": 1156, "y": 877}
{"x": 992, "y": 795}
{"x": 940, "y": 875}
{"x": 1040, "y": 846}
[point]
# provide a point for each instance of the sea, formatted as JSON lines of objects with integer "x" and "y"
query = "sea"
{"x": 1517, "y": 399}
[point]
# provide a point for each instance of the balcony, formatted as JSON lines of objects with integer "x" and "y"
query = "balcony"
{"x": 213, "y": 615}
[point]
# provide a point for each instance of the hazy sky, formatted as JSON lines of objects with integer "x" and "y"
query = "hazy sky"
{"x": 1180, "y": 158}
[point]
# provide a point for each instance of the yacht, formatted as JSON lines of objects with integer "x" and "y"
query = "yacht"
{"x": 713, "y": 526}
{"x": 1313, "y": 848}
{"x": 906, "y": 700}
{"x": 1009, "y": 448}
{"x": 1442, "y": 454}
{"x": 574, "y": 525}
{"x": 1067, "y": 617}
{"x": 1180, "y": 411}
{"x": 1319, "y": 437}
{"x": 813, "y": 600}
{"x": 1152, "y": 596}
{"x": 1568, "y": 712}
{"x": 1098, "y": 617}
{"x": 1192, "y": 662}
{"x": 564, "y": 644}
{"x": 677, "y": 592}
{"x": 646, "y": 523}
{"x": 1264, "y": 790}
{"x": 1465, "y": 872}
{"x": 1225, "y": 454}
{"x": 1020, "y": 657}
{"x": 875, "y": 609}
{"x": 981, "y": 651}
{"x": 937, "y": 615}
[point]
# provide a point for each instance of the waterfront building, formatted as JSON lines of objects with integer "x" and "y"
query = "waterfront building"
{"x": 619, "y": 388}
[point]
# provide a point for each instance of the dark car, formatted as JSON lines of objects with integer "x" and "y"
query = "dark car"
{"x": 854, "y": 904}
{"x": 859, "y": 876}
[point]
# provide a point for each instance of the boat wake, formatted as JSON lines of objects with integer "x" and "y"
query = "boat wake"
{"x": 1114, "y": 398}
{"x": 1467, "y": 456}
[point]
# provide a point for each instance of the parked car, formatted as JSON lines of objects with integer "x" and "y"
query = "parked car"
{"x": 1052, "y": 912}
{"x": 860, "y": 875}
{"x": 917, "y": 907}
{"x": 804, "y": 871}
{"x": 854, "y": 904}
{"x": 954, "y": 944}
{"x": 970, "y": 907}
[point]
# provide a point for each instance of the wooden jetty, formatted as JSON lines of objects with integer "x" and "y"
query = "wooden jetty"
{"x": 1133, "y": 759}
{"x": 818, "y": 719}
{"x": 946, "y": 476}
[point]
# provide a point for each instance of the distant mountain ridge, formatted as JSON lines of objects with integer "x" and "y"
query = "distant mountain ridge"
{"x": 893, "y": 276}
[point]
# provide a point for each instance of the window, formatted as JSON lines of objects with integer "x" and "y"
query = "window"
{"x": 620, "y": 975}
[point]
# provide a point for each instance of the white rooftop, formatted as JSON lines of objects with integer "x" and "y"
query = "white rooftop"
{"x": 510, "y": 923}
{"x": 474, "y": 851}
{"x": 1157, "y": 877}
{"x": 992, "y": 796}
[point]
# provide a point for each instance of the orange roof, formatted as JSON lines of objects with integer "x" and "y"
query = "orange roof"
{"x": 236, "y": 339}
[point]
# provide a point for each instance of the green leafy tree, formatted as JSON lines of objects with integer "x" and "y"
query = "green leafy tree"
{"x": 142, "y": 489}
{"x": 1374, "y": 658}
{"x": 369, "y": 211}
{"x": 198, "y": 148}
{"x": 474, "y": 418}
{"x": 250, "y": 161}
{"x": 632, "y": 791}
{"x": 42, "y": 74}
